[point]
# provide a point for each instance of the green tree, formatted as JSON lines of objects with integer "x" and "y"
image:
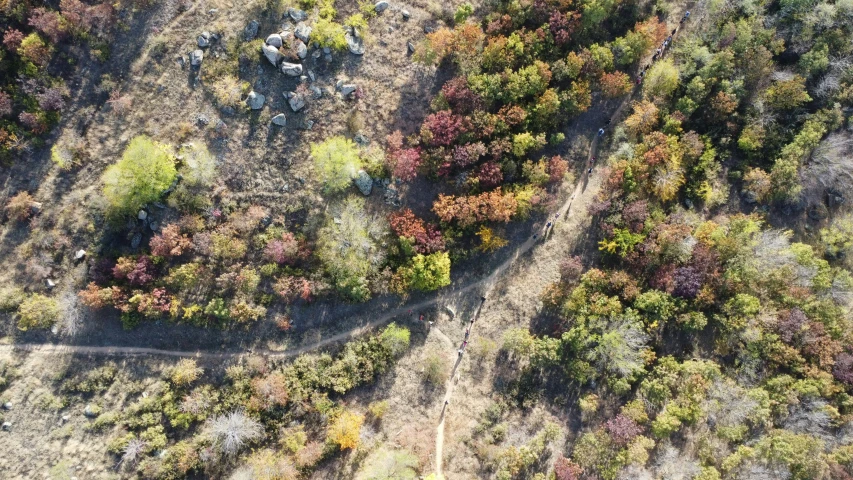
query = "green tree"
{"x": 661, "y": 79}
{"x": 337, "y": 162}
{"x": 428, "y": 272}
{"x": 145, "y": 171}
{"x": 837, "y": 238}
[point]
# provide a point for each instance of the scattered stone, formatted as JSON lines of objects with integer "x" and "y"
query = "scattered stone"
{"x": 212, "y": 11}
{"x": 291, "y": 69}
{"x": 392, "y": 196}
{"x": 65, "y": 418}
{"x": 339, "y": 84}
{"x": 354, "y": 44}
{"x": 50, "y": 283}
{"x": 296, "y": 102}
{"x": 327, "y": 50}
{"x": 302, "y": 32}
{"x": 348, "y": 88}
{"x": 142, "y": 215}
{"x": 311, "y": 75}
{"x": 381, "y": 6}
{"x": 274, "y": 40}
{"x": 301, "y": 49}
{"x": 7, "y": 406}
{"x": 79, "y": 254}
{"x": 136, "y": 240}
{"x": 196, "y": 56}
{"x": 154, "y": 226}
{"x": 316, "y": 91}
{"x": 251, "y": 30}
{"x": 203, "y": 40}
{"x": 7, "y": 426}
{"x": 297, "y": 15}
{"x": 361, "y": 140}
{"x": 406, "y": 14}
{"x": 429, "y": 29}
{"x": 279, "y": 120}
{"x": 180, "y": 60}
{"x": 327, "y": 57}
{"x": 411, "y": 47}
{"x": 303, "y": 79}
{"x": 363, "y": 182}
{"x": 308, "y": 125}
{"x": 316, "y": 54}
{"x": 255, "y": 100}
{"x": 272, "y": 54}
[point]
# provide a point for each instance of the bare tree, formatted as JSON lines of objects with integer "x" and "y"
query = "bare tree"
{"x": 132, "y": 452}
{"x": 230, "y": 432}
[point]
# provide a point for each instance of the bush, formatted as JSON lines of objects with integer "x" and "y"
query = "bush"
{"x": 329, "y": 34}
{"x": 185, "y": 372}
{"x": 20, "y": 207}
{"x": 427, "y": 272}
{"x": 37, "y": 311}
{"x": 198, "y": 171}
{"x": 145, "y": 171}
{"x": 346, "y": 429}
{"x": 463, "y": 12}
{"x": 435, "y": 369}
{"x": 337, "y": 161}
{"x": 230, "y": 432}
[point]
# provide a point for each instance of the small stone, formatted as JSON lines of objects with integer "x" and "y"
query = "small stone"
{"x": 196, "y": 56}
{"x": 363, "y": 182}
{"x": 429, "y": 29}
{"x": 297, "y": 15}
{"x": 136, "y": 240}
{"x": 180, "y": 60}
{"x": 303, "y": 79}
{"x": 154, "y": 226}
{"x": 7, "y": 406}
{"x": 291, "y": 69}
{"x": 361, "y": 140}
{"x": 79, "y": 254}
{"x": 327, "y": 57}
{"x": 302, "y": 32}
{"x": 354, "y": 44}
{"x": 311, "y": 75}
{"x": 348, "y": 88}
{"x": 203, "y": 41}
{"x": 308, "y": 125}
{"x": 274, "y": 40}
{"x": 91, "y": 410}
{"x": 381, "y": 6}
{"x": 7, "y": 426}
{"x": 411, "y": 47}
{"x": 339, "y": 84}
{"x": 316, "y": 54}
{"x": 316, "y": 91}
{"x": 251, "y": 30}
{"x": 406, "y": 14}
{"x": 65, "y": 418}
{"x": 327, "y": 50}
{"x": 279, "y": 120}
{"x": 212, "y": 11}
{"x": 301, "y": 49}
{"x": 50, "y": 283}
{"x": 272, "y": 54}
{"x": 142, "y": 215}
{"x": 255, "y": 100}
{"x": 296, "y": 102}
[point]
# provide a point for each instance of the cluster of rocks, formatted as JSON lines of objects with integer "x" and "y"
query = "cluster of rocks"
{"x": 204, "y": 40}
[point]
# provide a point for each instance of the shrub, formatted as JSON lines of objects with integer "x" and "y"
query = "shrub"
{"x": 169, "y": 243}
{"x": 661, "y": 79}
{"x": 427, "y": 272}
{"x": 20, "y": 207}
{"x": 198, "y": 171}
{"x": 50, "y": 23}
{"x": 346, "y": 429}
{"x": 37, "y": 311}
{"x": 283, "y": 251}
{"x": 12, "y": 39}
{"x": 442, "y": 128}
{"x": 34, "y": 50}
{"x": 435, "y": 369}
{"x": 338, "y": 162}
{"x": 145, "y": 170}
{"x": 328, "y": 33}
{"x": 463, "y": 12}
{"x": 185, "y": 372}
{"x": 615, "y": 84}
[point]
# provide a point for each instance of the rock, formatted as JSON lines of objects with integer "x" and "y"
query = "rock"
{"x": 196, "y": 56}
{"x": 303, "y": 79}
{"x": 311, "y": 75}
{"x": 301, "y": 49}
{"x": 354, "y": 45}
{"x": 363, "y": 182}
{"x": 180, "y": 60}
{"x": 296, "y": 102}
{"x": 381, "y": 6}
{"x": 279, "y": 120}
{"x": 406, "y": 14}
{"x": 274, "y": 40}
{"x": 142, "y": 215}
{"x": 302, "y": 32}
{"x": 361, "y": 140}
{"x": 79, "y": 254}
{"x": 7, "y": 406}
{"x": 308, "y": 125}
{"x": 315, "y": 90}
{"x": 272, "y": 54}
{"x": 91, "y": 410}
{"x": 339, "y": 84}
{"x": 50, "y": 283}
{"x": 297, "y": 15}
{"x": 136, "y": 240}
{"x": 411, "y": 47}
{"x": 65, "y": 418}
{"x": 327, "y": 50}
{"x": 291, "y": 69}
{"x": 429, "y": 29}
{"x": 154, "y": 226}
{"x": 203, "y": 40}
{"x": 7, "y": 426}
{"x": 255, "y": 100}
{"x": 251, "y": 30}
{"x": 348, "y": 88}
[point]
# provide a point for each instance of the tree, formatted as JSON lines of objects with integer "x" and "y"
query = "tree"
{"x": 170, "y": 242}
{"x": 427, "y": 272}
{"x": 345, "y": 430}
{"x": 185, "y": 372}
{"x": 20, "y": 207}
{"x": 565, "y": 469}
{"x": 837, "y": 238}
{"x": 489, "y": 241}
{"x": 337, "y": 162}
{"x": 643, "y": 119}
{"x": 788, "y": 94}
{"x": 145, "y": 171}
{"x": 37, "y": 311}
{"x": 661, "y": 79}
{"x": 33, "y": 49}
{"x": 615, "y": 84}
{"x": 230, "y": 432}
